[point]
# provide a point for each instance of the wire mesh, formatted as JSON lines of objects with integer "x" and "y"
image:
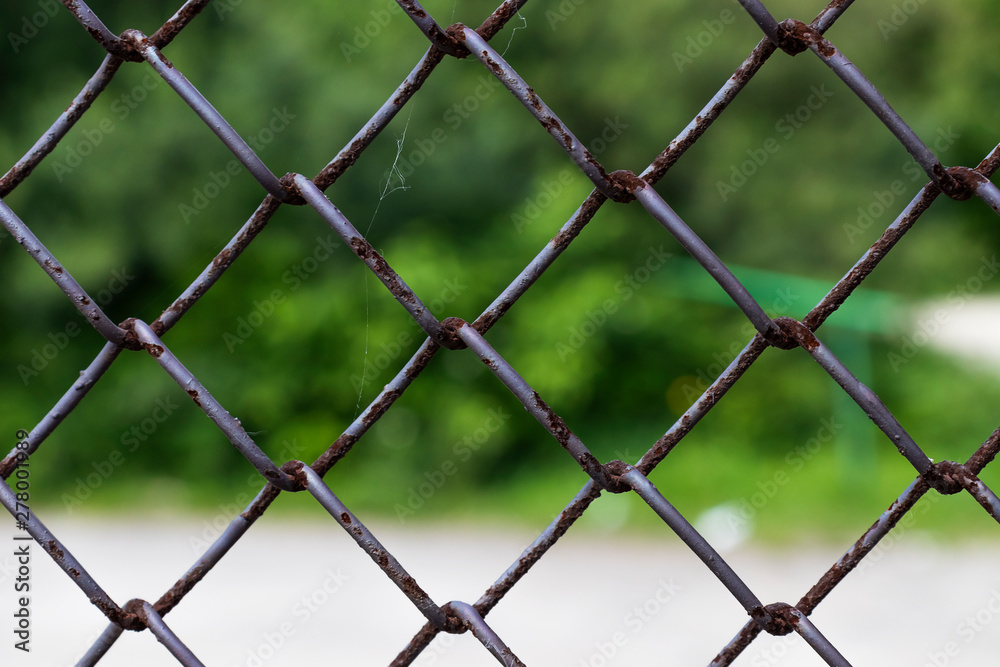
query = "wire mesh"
{"x": 453, "y": 335}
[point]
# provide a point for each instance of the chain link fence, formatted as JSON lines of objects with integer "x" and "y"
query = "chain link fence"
{"x": 456, "y": 336}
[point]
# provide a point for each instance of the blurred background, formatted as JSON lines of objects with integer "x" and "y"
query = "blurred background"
{"x": 789, "y": 187}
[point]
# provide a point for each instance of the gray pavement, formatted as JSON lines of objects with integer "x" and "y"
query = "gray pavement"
{"x": 302, "y": 593}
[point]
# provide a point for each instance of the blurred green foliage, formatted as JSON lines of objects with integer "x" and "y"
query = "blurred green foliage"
{"x": 617, "y": 346}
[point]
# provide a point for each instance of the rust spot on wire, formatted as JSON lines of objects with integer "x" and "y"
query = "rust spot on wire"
{"x": 565, "y": 236}
{"x": 961, "y": 182}
{"x": 261, "y": 503}
{"x": 846, "y": 286}
{"x": 534, "y": 99}
{"x": 613, "y": 470}
{"x": 983, "y": 456}
{"x": 492, "y": 64}
{"x": 456, "y": 36}
{"x": 131, "y": 340}
{"x": 566, "y": 519}
{"x": 745, "y": 72}
{"x": 128, "y": 45}
{"x": 295, "y": 470}
{"x": 623, "y": 184}
{"x": 794, "y": 37}
{"x": 498, "y": 19}
{"x": 133, "y": 616}
{"x": 949, "y": 477}
{"x": 338, "y": 450}
{"x": 795, "y": 333}
{"x": 590, "y": 462}
{"x": 455, "y": 625}
{"x": 422, "y": 360}
{"x": 449, "y": 333}
{"x": 739, "y": 643}
{"x": 53, "y": 548}
{"x": 835, "y": 5}
{"x": 830, "y": 578}
{"x": 420, "y": 641}
{"x": 223, "y": 259}
{"x": 125, "y": 621}
{"x": 379, "y": 408}
{"x": 411, "y": 8}
{"x": 364, "y": 250}
{"x": 171, "y": 28}
{"x": 153, "y": 349}
{"x": 779, "y": 619}
{"x": 411, "y": 587}
{"x": 987, "y": 167}
{"x": 861, "y": 548}
{"x": 555, "y": 422}
{"x": 219, "y": 264}
{"x": 405, "y": 92}
{"x": 177, "y": 592}
{"x": 711, "y": 396}
{"x": 292, "y": 195}
{"x": 628, "y": 180}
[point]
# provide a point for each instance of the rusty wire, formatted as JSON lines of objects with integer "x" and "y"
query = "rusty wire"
{"x": 790, "y": 36}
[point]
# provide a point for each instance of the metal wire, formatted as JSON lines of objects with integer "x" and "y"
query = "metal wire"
{"x": 790, "y": 36}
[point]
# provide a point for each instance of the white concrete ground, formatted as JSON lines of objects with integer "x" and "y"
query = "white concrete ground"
{"x": 965, "y": 327}
{"x": 305, "y": 594}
